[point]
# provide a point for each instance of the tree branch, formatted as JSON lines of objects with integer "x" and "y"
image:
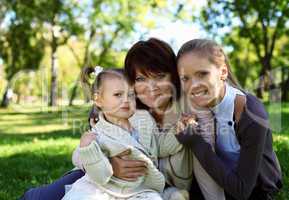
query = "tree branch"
{"x": 275, "y": 34}
{"x": 109, "y": 44}
{"x": 252, "y": 38}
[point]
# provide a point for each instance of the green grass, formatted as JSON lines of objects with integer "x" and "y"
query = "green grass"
{"x": 36, "y": 145}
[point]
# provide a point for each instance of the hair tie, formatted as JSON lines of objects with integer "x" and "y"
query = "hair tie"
{"x": 97, "y": 70}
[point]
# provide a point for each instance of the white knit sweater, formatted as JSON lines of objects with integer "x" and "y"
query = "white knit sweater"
{"x": 112, "y": 140}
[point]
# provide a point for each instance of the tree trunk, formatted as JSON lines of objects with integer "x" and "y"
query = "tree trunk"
{"x": 5, "y": 100}
{"x": 73, "y": 93}
{"x": 266, "y": 82}
{"x": 285, "y": 84}
{"x": 54, "y": 71}
{"x": 260, "y": 88}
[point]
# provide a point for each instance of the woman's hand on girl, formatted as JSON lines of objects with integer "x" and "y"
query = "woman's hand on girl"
{"x": 126, "y": 169}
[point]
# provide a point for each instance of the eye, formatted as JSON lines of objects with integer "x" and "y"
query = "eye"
{"x": 202, "y": 74}
{"x": 131, "y": 95}
{"x": 140, "y": 79}
{"x": 184, "y": 78}
{"x": 160, "y": 75}
{"x": 118, "y": 94}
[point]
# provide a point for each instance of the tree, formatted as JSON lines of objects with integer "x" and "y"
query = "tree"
{"x": 60, "y": 20}
{"x": 108, "y": 27}
{"x": 262, "y": 22}
{"x": 21, "y": 47}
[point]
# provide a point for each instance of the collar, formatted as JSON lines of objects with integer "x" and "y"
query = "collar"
{"x": 119, "y": 134}
{"x": 171, "y": 116}
{"x": 226, "y": 105}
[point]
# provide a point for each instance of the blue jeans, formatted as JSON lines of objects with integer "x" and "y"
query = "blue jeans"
{"x": 55, "y": 190}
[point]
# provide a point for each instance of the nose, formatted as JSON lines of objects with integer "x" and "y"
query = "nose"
{"x": 153, "y": 85}
{"x": 125, "y": 99}
{"x": 194, "y": 84}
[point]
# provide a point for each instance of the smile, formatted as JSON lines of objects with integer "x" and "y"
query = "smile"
{"x": 124, "y": 108}
{"x": 200, "y": 93}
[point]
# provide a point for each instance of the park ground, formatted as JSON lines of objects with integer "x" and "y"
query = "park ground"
{"x": 36, "y": 144}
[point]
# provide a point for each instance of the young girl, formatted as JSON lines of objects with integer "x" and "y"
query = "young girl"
{"x": 120, "y": 128}
{"x": 244, "y": 164}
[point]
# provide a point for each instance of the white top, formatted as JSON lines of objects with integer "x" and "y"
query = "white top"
{"x": 227, "y": 145}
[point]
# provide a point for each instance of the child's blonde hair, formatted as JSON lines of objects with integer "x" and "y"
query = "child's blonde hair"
{"x": 98, "y": 81}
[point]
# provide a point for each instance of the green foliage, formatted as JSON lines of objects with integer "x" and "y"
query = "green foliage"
{"x": 21, "y": 47}
{"x": 254, "y": 30}
{"x": 95, "y": 32}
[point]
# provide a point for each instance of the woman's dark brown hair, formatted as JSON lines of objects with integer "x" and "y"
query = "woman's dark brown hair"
{"x": 151, "y": 57}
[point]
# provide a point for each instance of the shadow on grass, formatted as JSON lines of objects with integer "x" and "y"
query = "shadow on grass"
{"x": 22, "y": 171}
{"x": 48, "y": 111}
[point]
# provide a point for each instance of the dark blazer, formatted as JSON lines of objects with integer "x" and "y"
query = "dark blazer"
{"x": 258, "y": 169}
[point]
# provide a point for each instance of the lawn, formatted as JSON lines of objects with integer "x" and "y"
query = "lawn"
{"x": 36, "y": 144}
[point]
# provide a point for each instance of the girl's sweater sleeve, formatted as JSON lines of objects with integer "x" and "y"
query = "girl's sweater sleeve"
{"x": 95, "y": 163}
{"x": 76, "y": 161}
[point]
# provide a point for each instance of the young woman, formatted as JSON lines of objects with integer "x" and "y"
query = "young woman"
{"x": 244, "y": 164}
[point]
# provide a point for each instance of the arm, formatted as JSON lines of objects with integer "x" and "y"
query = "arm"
{"x": 95, "y": 163}
{"x": 123, "y": 167}
{"x": 85, "y": 140}
{"x": 167, "y": 143}
{"x": 76, "y": 159}
{"x": 238, "y": 183}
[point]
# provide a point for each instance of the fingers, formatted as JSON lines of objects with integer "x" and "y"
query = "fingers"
{"x": 134, "y": 164}
{"x": 186, "y": 120}
{"x": 124, "y": 153}
{"x": 87, "y": 138}
{"x": 128, "y": 169}
{"x": 134, "y": 173}
{"x": 132, "y": 176}
{"x": 180, "y": 126}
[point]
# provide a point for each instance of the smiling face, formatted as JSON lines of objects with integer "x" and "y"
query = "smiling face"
{"x": 201, "y": 80}
{"x": 115, "y": 98}
{"x": 154, "y": 90}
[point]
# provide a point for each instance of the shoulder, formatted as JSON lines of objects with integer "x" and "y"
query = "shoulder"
{"x": 255, "y": 107}
{"x": 254, "y": 115}
{"x": 142, "y": 116}
{"x": 141, "y": 113}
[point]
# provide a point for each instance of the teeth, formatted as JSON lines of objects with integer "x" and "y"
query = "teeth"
{"x": 199, "y": 93}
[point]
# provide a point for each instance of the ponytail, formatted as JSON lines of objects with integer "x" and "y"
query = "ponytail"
{"x": 85, "y": 80}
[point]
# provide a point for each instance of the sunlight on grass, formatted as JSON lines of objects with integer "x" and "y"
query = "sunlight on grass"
{"x": 36, "y": 145}
{"x": 42, "y": 128}
{"x": 281, "y": 138}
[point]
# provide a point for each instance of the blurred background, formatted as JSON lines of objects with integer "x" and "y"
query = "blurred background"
{"x": 45, "y": 44}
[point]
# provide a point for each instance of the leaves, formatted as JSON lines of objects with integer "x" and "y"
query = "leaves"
{"x": 260, "y": 23}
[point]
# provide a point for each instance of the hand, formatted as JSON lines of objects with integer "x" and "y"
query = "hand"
{"x": 206, "y": 126}
{"x": 126, "y": 169}
{"x": 87, "y": 138}
{"x": 186, "y": 120}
